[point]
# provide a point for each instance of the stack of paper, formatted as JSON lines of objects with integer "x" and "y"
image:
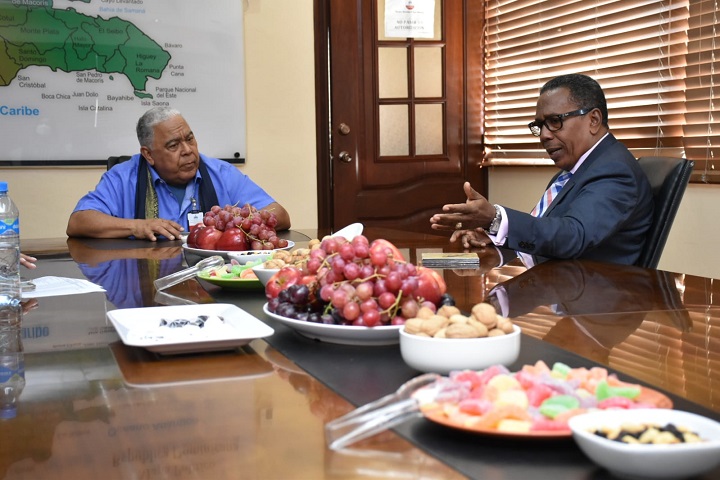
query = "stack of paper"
{"x": 450, "y": 260}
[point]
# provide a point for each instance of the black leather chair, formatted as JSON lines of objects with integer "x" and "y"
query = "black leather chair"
{"x": 668, "y": 177}
{"x": 112, "y": 161}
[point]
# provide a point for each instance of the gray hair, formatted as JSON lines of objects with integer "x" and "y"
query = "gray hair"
{"x": 146, "y": 124}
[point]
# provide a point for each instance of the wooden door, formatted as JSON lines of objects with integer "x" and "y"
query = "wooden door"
{"x": 400, "y": 130}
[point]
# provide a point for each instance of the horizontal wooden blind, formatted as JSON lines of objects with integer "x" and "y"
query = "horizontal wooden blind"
{"x": 638, "y": 50}
{"x": 702, "y": 116}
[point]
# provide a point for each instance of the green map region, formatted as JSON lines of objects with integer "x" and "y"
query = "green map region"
{"x": 33, "y": 33}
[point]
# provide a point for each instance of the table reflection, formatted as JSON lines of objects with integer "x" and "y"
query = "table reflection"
{"x": 127, "y": 274}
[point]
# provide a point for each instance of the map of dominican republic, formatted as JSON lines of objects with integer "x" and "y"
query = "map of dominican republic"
{"x": 75, "y": 75}
{"x": 34, "y": 33}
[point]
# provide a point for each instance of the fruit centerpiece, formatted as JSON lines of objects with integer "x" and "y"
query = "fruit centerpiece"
{"x": 233, "y": 228}
{"x": 355, "y": 282}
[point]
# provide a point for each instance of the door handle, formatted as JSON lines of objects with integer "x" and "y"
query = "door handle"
{"x": 345, "y": 157}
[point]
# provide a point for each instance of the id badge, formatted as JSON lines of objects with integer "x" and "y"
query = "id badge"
{"x": 194, "y": 218}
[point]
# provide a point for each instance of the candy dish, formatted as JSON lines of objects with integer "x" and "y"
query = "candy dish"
{"x": 234, "y": 283}
{"x": 234, "y": 277}
{"x": 242, "y": 257}
{"x": 141, "y": 327}
{"x": 443, "y": 355}
{"x": 341, "y": 334}
{"x": 649, "y": 461}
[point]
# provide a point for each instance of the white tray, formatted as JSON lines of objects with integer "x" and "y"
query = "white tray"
{"x": 140, "y": 327}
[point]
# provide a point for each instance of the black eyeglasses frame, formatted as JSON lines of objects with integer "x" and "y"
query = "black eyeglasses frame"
{"x": 536, "y": 125}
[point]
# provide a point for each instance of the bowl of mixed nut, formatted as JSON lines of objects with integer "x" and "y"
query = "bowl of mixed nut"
{"x": 650, "y": 443}
{"x": 447, "y": 340}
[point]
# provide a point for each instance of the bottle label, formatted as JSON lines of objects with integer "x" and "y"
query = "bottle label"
{"x": 7, "y": 373}
{"x": 9, "y": 226}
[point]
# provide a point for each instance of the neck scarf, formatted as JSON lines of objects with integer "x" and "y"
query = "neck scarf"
{"x": 146, "y": 199}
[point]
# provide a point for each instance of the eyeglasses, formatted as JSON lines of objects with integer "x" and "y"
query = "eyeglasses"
{"x": 555, "y": 122}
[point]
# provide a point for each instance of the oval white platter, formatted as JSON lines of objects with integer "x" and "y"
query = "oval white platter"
{"x": 342, "y": 334}
{"x": 242, "y": 257}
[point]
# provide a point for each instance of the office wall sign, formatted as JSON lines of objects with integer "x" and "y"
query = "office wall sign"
{"x": 409, "y": 18}
{"x": 75, "y": 75}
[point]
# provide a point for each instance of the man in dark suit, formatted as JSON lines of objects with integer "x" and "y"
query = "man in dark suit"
{"x": 602, "y": 212}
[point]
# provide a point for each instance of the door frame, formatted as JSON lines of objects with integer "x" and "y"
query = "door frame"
{"x": 473, "y": 124}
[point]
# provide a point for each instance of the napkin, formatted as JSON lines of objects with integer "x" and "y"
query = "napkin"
{"x": 56, "y": 286}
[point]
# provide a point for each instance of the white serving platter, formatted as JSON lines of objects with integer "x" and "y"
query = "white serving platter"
{"x": 342, "y": 334}
{"x": 242, "y": 257}
{"x": 140, "y": 327}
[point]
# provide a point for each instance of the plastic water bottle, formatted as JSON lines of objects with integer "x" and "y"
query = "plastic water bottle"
{"x": 10, "y": 292}
{"x": 12, "y": 362}
{"x": 12, "y": 367}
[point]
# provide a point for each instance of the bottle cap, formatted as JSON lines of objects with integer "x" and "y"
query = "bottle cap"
{"x": 8, "y": 412}
{"x": 3, "y": 187}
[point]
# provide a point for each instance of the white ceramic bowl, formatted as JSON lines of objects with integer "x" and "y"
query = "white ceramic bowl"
{"x": 649, "y": 461}
{"x": 443, "y": 355}
{"x": 264, "y": 274}
{"x": 349, "y": 232}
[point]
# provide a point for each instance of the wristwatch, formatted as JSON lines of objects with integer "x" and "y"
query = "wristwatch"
{"x": 495, "y": 224}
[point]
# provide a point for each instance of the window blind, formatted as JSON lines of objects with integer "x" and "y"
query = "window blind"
{"x": 654, "y": 59}
{"x": 701, "y": 128}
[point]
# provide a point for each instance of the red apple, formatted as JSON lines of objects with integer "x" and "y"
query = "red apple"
{"x": 232, "y": 239}
{"x": 207, "y": 238}
{"x": 282, "y": 279}
{"x": 431, "y": 285}
{"x": 192, "y": 237}
{"x": 389, "y": 248}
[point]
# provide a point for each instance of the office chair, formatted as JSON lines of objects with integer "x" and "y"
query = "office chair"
{"x": 668, "y": 178}
{"x": 112, "y": 161}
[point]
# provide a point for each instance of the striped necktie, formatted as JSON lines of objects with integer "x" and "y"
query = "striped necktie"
{"x": 550, "y": 194}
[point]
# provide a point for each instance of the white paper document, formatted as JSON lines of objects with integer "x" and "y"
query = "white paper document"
{"x": 57, "y": 286}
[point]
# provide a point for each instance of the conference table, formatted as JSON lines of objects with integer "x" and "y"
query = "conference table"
{"x": 94, "y": 407}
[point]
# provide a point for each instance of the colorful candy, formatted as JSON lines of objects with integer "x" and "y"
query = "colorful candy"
{"x": 535, "y": 399}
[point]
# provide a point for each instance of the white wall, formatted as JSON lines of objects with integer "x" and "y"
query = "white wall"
{"x": 280, "y": 127}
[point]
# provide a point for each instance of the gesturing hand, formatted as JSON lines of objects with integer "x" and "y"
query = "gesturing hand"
{"x": 475, "y": 213}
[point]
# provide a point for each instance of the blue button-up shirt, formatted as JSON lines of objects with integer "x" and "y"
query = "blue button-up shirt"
{"x": 115, "y": 193}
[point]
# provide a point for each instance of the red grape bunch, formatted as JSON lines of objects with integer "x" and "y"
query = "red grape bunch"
{"x": 238, "y": 229}
{"x": 355, "y": 283}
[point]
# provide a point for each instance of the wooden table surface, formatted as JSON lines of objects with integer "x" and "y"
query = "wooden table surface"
{"x": 96, "y": 408}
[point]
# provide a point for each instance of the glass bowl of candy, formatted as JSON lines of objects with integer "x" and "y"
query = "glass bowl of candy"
{"x": 449, "y": 340}
{"x": 650, "y": 443}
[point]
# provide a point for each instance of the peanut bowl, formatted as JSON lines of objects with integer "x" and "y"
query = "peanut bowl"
{"x": 443, "y": 355}
{"x": 649, "y": 461}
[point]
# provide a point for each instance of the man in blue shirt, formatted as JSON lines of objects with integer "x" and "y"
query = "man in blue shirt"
{"x": 152, "y": 194}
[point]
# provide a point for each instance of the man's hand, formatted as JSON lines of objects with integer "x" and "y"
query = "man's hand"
{"x": 151, "y": 228}
{"x": 471, "y": 238}
{"x": 475, "y": 213}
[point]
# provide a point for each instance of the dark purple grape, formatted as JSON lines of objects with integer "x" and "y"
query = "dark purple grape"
{"x": 273, "y": 304}
{"x": 447, "y": 299}
{"x": 299, "y": 294}
{"x": 284, "y": 295}
{"x": 314, "y": 317}
{"x": 285, "y": 309}
{"x": 327, "y": 319}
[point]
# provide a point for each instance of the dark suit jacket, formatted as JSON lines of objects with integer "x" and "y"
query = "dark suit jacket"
{"x": 602, "y": 213}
